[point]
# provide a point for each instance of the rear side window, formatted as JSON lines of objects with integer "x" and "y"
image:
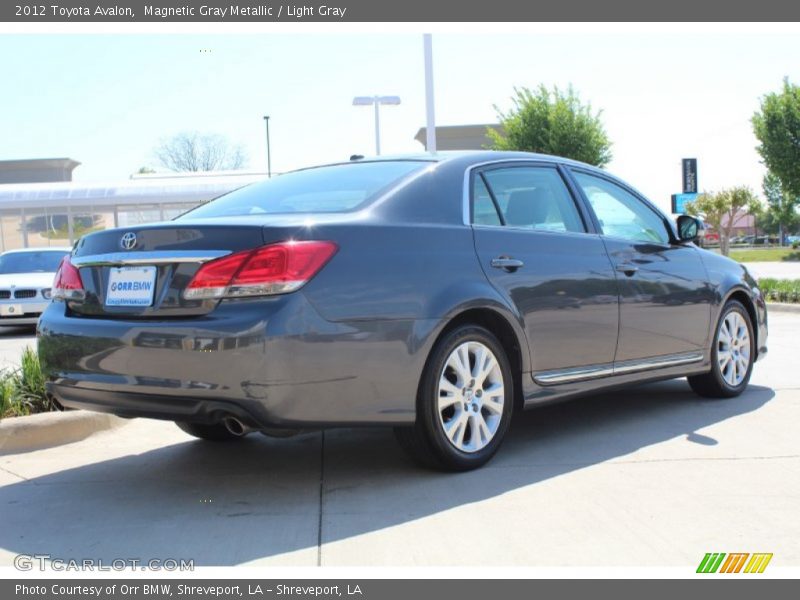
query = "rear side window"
{"x": 332, "y": 189}
{"x": 483, "y": 208}
{"x": 526, "y": 198}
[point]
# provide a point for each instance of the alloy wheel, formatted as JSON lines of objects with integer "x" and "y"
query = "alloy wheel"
{"x": 471, "y": 395}
{"x": 733, "y": 348}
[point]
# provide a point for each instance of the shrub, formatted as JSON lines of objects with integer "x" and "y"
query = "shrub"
{"x": 30, "y": 386}
{"x": 780, "y": 290}
{"x": 22, "y": 391}
{"x": 7, "y": 404}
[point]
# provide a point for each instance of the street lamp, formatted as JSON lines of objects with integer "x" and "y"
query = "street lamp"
{"x": 376, "y": 101}
{"x": 269, "y": 159}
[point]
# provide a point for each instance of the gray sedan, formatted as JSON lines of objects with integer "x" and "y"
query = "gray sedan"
{"x": 433, "y": 294}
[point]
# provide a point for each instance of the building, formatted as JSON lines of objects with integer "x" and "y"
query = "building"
{"x": 460, "y": 137}
{"x": 37, "y": 170}
{"x": 56, "y": 212}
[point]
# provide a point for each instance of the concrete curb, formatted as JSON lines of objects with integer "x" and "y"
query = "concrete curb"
{"x": 45, "y": 430}
{"x": 783, "y": 307}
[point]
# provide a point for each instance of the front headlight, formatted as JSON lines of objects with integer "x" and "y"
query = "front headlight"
{"x": 47, "y": 293}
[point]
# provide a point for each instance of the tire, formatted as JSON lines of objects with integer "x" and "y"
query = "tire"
{"x": 476, "y": 413}
{"x": 728, "y": 358}
{"x": 215, "y": 433}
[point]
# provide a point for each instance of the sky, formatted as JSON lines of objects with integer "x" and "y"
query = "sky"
{"x": 107, "y": 100}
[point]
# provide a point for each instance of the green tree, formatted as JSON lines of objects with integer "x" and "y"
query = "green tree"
{"x": 780, "y": 216}
{"x": 553, "y": 122}
{"x": 723, "y": 210}
{"x": 777, "y": 127}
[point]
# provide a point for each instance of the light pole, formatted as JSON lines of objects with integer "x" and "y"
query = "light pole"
{"x": 376, "y": 101}
{"x": 269, "y": 159}
{"x": 430, "y": 128}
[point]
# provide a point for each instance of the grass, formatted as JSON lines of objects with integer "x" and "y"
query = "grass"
{"x": 22, "y": 390}
{"x": 780, "y": 290}
{"x": 765, "y": 255}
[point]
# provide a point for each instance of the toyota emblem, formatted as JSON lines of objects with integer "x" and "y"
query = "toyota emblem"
{"x": 128, "y": 241}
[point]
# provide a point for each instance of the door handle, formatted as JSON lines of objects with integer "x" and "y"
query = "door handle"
{"x": 507, "y": 263}
{"x": 628, "y": 269}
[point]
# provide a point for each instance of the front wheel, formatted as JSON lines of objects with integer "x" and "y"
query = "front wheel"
{"x": 732, "y": 355}
{"x": 464, "y": 404}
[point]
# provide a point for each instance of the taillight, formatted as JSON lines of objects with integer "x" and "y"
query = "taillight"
{"x": 67, "y": 284}
{"x": 274, "y": 269}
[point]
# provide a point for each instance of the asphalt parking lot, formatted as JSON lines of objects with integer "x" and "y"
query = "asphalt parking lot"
{"x": 650, "y": 476}
{"x": 12, "y": 341}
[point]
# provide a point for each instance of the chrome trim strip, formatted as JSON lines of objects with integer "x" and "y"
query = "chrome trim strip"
{"x": 573, "y": 374}
{"x": 147, "y": 258}
{"x": 658, "y": 362}
{"x": 606, "y": 370}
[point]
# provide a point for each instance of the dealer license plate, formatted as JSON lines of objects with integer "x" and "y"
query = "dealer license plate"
{"x": 131, "y": 286}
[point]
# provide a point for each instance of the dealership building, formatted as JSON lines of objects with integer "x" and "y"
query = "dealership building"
{"x": 41, "y": 206}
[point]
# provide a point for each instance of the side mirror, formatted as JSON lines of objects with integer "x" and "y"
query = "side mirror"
{"x": 689, "y": 228}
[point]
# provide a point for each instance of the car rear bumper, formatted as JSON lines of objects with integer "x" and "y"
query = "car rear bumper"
{"x": 21, "y": 311}
{"x": 270, "y": 363}
{"x": 12, "y": 321}
{"x": 153, "y": 406}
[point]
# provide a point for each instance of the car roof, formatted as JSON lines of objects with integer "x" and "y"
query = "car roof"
{"x": 465, "y": 156}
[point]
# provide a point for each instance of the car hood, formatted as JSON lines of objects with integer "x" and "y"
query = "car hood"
{"x": 27, "y": 280}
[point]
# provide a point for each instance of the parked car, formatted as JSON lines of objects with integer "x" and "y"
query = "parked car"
{"x": 433, "y": 294}
{"x": 26, "y": 278}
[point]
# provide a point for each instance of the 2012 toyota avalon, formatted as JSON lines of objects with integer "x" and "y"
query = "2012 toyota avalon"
{"x": 433, "y": 294}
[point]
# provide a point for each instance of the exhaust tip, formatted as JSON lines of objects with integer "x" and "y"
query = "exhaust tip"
{"x": 235, "y": 426}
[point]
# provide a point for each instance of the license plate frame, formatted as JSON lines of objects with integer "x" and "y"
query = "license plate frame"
{"x": 11, "y": 310}
{"x": 131, "y": 287}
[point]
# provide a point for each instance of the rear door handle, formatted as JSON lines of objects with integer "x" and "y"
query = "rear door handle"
{"x": 628, "y": 269}
{"x": 507, "y": 263}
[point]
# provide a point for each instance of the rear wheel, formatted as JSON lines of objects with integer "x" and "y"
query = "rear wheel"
{"x": 465, "y": 402}
{"x": 216, "y": 432}
{"x": 732, "y": 355}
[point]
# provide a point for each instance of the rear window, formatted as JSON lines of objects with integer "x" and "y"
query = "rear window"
{"x": 333, "y": 189}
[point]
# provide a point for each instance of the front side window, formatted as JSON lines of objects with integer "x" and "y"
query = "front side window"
{"x": 527, "y": 198}
{"x": 331, "y": 189}
{"x": 621, "y": 214}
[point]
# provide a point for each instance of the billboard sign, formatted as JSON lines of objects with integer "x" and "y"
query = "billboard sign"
{"x": 689, "y": 171}
{"x": 679, "y": 202}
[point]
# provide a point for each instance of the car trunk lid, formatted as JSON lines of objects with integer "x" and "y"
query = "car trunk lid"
{"x": 142, "y": 272}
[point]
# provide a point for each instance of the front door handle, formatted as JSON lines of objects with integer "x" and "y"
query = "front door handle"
{"x": 507, "y": 263}
{"x": 628, "y": 269}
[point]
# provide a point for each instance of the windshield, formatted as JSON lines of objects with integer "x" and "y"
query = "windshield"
{"x": 333, "y": 189}
{"x": 45, "y": 261}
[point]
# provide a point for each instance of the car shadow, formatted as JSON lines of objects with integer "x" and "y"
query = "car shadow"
{"x": 17, "y": 332}
{"x": 227, "y": 504}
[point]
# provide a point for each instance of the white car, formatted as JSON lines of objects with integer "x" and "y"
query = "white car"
{"x": 26, "y": 277}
